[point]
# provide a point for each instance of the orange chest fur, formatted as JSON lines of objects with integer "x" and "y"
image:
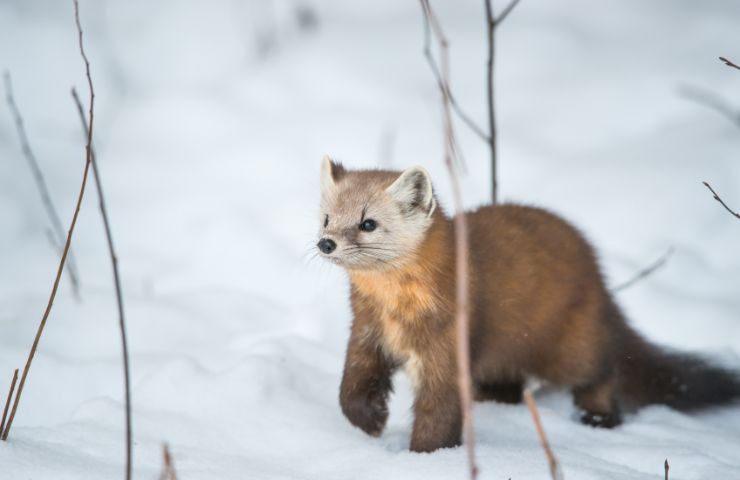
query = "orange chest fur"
{"x": 401, "y": 300}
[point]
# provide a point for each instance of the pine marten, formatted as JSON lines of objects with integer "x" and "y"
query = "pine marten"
{"x": 539, "y": 309}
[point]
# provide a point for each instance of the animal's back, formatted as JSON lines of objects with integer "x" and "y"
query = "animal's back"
{"x": 539, "y": 298}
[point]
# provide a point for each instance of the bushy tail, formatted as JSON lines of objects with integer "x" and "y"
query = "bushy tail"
{"x": 649, "y": 375}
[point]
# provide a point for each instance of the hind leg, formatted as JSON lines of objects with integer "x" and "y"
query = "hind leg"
{"x": 503, "y": 392}
{"x": 598, "y": 402}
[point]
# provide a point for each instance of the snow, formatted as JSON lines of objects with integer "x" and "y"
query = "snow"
{"x": 211, "y": 119}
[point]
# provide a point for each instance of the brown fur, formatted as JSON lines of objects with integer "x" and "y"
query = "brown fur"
{"x": 539, "y": 308}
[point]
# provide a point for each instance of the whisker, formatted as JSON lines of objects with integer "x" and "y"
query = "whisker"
{"x": 370, "y": 247}
{"x": 374, "y": 257}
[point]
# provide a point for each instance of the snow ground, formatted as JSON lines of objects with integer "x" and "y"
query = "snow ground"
{"x": 211, "y": 119}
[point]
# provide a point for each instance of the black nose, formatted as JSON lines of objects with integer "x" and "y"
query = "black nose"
{"x": 326, "y": 245}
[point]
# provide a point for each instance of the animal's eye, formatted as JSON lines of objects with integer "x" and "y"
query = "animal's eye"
{"x": 326, "y": 220}
{"x": 368, "y": 225}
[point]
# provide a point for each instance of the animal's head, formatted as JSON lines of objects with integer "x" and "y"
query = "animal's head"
{"x": 373, "y": 220}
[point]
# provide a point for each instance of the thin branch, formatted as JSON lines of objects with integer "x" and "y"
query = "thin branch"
{"x": 463, "y": 116}
{"x": 728, "y": 63}
{"x": 555, "y": 471}
{"x": 56, "y": 224}
{"x": 490, "y": 137}
{"x": 666, "y": 467}
{"x": 645, "y": 272}
{"x": 716, "y": 197}
{"x": 438, "y": 77}
{"x": 54, "y": 289}
{"x": 7, "y": 402}
{"x": 461, "y": 250}
{"x": 168, "y": 466}
{"x": 116, "y": 279}
{"x": 88, "y": 128}
{"x": 490, "y": 27}
{"x": 505, "y": 13}
{"x": 713, "y": 101}
{"x": 491, "y": 23}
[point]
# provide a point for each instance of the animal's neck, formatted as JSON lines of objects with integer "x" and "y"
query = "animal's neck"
{"x": 412, "y": 288}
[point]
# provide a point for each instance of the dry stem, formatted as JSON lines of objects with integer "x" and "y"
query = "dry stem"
{"x": 52, "y": 296}
{"x": 461, "y": 249}
{"x": 555, "y": 472}
{"x": 645, "y": 272}
{"x": 440, "y": 83}
{"x": 57, "y": 230}
{"x": 716, "y": 197}
{"x": 438, "y": 77}
{"x": 666, "y": 467}
{"x": 88, "y": 128}
{"x": 713, "y": 101}
{"x": 490, "y": 26}
{"x": 490, "y": 138}
{"x": 505, "y": 12}
{"x": 728, "y": 63}
{"x": 7, "y": 402}
{"x": 168, "y": 467}
{"x": 491, "y": 23}
{"x": 116, "y": 280}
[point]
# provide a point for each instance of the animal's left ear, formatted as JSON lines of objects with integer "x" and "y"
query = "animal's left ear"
{"x": 413, "y": 190}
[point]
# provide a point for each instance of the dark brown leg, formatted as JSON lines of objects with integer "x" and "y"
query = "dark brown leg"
{"x": 599, "y": 406}
{"x": 437, "y": 415}
{"x": 365, "y": 387}
{"x": 503, "y": 392}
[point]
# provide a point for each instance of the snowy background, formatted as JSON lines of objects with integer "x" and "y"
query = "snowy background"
{"x": 211, "y": 119}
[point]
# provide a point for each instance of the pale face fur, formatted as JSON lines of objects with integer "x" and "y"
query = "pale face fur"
{"x": 400, "y": 204}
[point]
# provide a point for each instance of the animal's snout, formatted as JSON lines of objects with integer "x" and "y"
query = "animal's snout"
{"x": 326, "y": 245}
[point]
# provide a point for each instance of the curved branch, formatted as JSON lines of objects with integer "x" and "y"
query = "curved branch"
{"x": 728, "y": 63}
{"x": 57, "y": 230}
{"x": 645, "y": 272}
{"x": 505, "y": 13}
{"x": 716, "y": 197}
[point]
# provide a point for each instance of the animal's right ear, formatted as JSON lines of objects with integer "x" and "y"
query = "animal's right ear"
{"x": 330, "y": 173}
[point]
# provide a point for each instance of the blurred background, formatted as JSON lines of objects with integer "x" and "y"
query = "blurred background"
{"x": 211, "y": 119}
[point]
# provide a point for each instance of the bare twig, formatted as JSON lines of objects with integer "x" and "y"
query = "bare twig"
{"x": 88, "y": 128}
{"x": 713, "y": 101}
{"x": 505, "y": 12}
{"x": 716, "y": 197}
{"x": 65, "y": 252}
{"x": 57, "y": 230}
{"x": 458, "y": 156}
{"x": 168, "y": 466}
{"x": 728, "y": 63}
{"x": 490, "y": 138}
{"x": 491, "y": 23}
{"x": 645, "y": 271}
{"x": 116, "y": 275}
{"x": 438, "y": 77}
{"x": 7, "y": 402}
{"x": 116, "y": 278}
{"x": 461, "y": 249}
{"x": 555, "y": 471}
{"x": 490, "y": 26}
{"x": 666, "y": 467}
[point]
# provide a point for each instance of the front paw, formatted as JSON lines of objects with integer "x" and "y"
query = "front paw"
{"x": 368, "y": 411}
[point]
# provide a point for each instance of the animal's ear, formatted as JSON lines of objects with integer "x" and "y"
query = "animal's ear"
{"x": 331, "y": 172}
{"x": 413, "y": 191}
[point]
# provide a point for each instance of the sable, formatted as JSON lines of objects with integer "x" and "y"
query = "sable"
{"x": 539, "y": 307}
